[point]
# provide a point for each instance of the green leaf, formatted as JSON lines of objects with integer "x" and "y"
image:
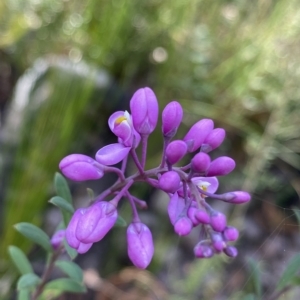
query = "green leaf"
{"x": 120, "y": 222}
{"x": 71, "y": 269}
{"x": 65, "y": 285}
{"x": 62, "y": 204}
{"x": 290, "y": 272}
{"x": 28, "y": 281}
{"x": 24, "y": 295}
{"x": 71, "y": 252}
{"x": 255, "y": 276}
{"x": 62, "y": 188}
{"x": 295, "y": 281}
{"x": 35, "y": 234}
{"x": 20, "y": 260}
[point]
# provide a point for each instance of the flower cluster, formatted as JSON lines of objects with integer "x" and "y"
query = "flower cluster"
{"x": 189, "y": 186}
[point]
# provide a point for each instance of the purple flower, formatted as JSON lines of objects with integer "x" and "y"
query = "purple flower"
{"x": 70, "y": 233}
{"x": 95, "y": 222}
{"x": 112, "y": 154}
{"x": 169, "y": 182}
{"x": 175, "y": 151}
{"x": 144, "y": 110}
{"x": 231, "y": 251}
{"x": 217, "y": 241}
{"x": 121, "y": 125}
{"x": 79, "y": 167}
{"x": 222, "y": 165}
{"x": 140, "y": 245}
{"x": 197, "y": 134}
{"x": 58, "y": 238}
{"x": 207, "y": 184}
{"x": 171, "y": 118}
{"x": 213, "y": 140}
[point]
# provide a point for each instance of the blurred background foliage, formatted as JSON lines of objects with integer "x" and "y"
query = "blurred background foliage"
{"x": 65, "y": 66}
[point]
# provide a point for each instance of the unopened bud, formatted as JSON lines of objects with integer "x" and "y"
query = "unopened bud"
{"x": 231, "y": 251}
{"x": 213, "y": 140}
{"x": 169, "y": 182}
{"x": 140, "y": 245}
{"x": 58, "y": 238}
{"x": 230, "y": 233}
{"x": 222, "y": 165}
{"x": 183, "y": 226}
{"x": 79, "y": 167}
{"x": 197, "y": 134}
{"x": 175, "y": 151}
{"x": 200, "y": 162}
{"x": 217, "y": 221}
{"x": 171, "y": 118}
{"x": 203, "y": 250}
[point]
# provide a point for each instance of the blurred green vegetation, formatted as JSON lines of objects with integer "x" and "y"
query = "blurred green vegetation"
{"x": 234, "y": 61}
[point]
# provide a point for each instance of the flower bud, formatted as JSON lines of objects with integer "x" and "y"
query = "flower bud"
{"x": 79, "y": 167}
{"x": 140, "y": 245}
{"x": 192, "y": 215}
{"x": 197, "y": 134}
{"x": 175, "y": 207}
{"x": 231, "y": 251}
{"x": 202, "y": 216}
{"x": 203, "y": 250}
{"x": 230, "y": 234}
{"x": 222, "y": 165}
{"x": 144, "y": 111}
{"x": 95, "y": 222}
{"x": 71, "y": 228}
{"x": 237, "y": 197}
{"x": 112, "y": 154}
{"x": 169, "y": 182}
{"x": 200, "y": 162}
{"x": 58, "y": 239}
{"x": 175, "y": 151}
{"x": 213, "y": 140}
{"x": 217, "y": 241}
{"x": 183, "y": 226}
{"x": 171, "y": 118}
{"x": 217, "y": 221}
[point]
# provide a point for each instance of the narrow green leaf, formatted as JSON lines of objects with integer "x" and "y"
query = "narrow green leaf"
{"x": 120, "y": 222}
{"x": 66, "y": 285}
{"x": 295, "y": 281}
{"x": 71, "y": 269}
{"x": 289, "y": 273}
{"x": 20, "y": 260}
{"x": 71, "y": 252}
{"x": 255, "y": 276}
{"x": 35, "y": 234}
{"x": 62, "y": 187}
{"x": 62, "y": 204}
{"x": 28, "y": 281}
{"x": 24, "y": 295}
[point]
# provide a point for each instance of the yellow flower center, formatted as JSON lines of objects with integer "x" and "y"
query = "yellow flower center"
{"x": 120, "y": 120}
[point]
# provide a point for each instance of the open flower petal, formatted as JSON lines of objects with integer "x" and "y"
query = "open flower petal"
{"x": 112, "y": 154}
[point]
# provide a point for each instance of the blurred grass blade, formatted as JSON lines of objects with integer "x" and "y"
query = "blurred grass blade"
{"x": 297, "y": 214}
{"x": 35, "y": 234}
{"x": 90, "y": 193}
{"x": 289, "y": 273}
{"x": 71, "y": 269}
{"x": 61, "y": 187}
{"x": 28, "y": 281}
{"x": 20, "y": 260}
{"x": 255, "y": 276}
